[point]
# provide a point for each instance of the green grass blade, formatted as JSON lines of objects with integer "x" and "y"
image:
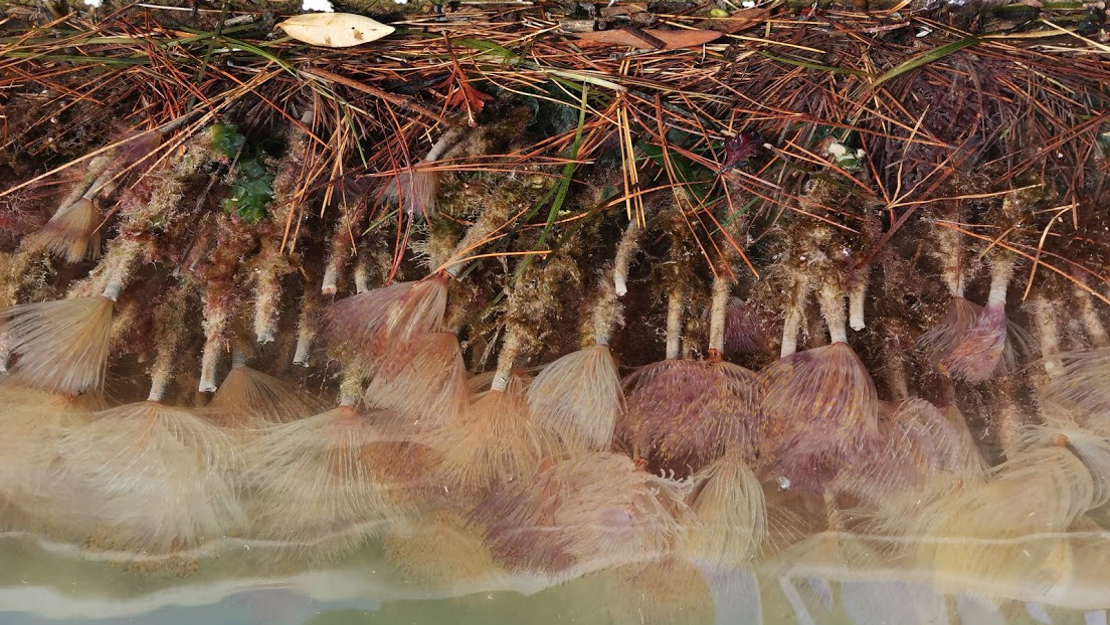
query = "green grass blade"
{"x": 72, "y": 58}
{"x": 560, "y": 196}
{"x": 925, "y": 58}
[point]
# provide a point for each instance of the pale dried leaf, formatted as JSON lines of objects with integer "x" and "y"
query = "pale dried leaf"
{"x": 335, "y": 30}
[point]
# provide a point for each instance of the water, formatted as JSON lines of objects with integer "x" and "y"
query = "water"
{"x": 48, "y": 583}
{"x": 357, "y": 531}
{"x": 150, "y": 515}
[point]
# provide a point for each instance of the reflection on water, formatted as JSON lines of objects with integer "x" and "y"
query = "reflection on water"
{"x": 146, "y": 513}
{"x": 378, "y": 586}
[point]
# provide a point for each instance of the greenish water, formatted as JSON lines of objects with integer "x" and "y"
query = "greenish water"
{"x": 827, "y": 583}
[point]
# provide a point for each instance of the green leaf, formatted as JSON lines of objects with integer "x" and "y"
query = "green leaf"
{"x": 251, "y": 213}
{"x": 251, "y": 168}
{"x": 226, "y": 139}
{"x": 489, "y": 48}
{"x": 252, "y": 188}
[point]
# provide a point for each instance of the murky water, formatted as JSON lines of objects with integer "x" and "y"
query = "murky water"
{"x": 826, "y": 580}
{"x": 152, "y": 514}
{"x": 147, "y": 514}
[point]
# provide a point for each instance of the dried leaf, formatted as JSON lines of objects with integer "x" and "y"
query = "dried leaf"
{"x": 334, "y": 30}
{"x": 624, "y": 9}
{"x": 738, "y": 20}
{"x": 671, "y": 39}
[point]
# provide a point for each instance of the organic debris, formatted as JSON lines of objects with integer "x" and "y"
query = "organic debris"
{"x": 425, "y": 225}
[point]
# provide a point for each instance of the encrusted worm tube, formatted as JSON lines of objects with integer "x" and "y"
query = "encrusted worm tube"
{"x": 1048, "y": 332}
{"x": 170, "y": 329}
{"x": 1093, "y": 325}
{"x": 675, "y": 307}
{"x": 306, "y": 326}
{"x": 717, "y": 312}
{"x": 832, "y": 309}
{"x": 607, "y": 314}
{"x": 510, "y": 347}
{"x": 341, "y": 251}
{"x": 857, "y": 297}
{"x": 625, "y": 251}
{"x": 273, "y": 261}
{"x": 793, "y": 317}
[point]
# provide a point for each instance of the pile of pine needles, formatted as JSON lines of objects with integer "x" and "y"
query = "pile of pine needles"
{"x": 924, "y": 101}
